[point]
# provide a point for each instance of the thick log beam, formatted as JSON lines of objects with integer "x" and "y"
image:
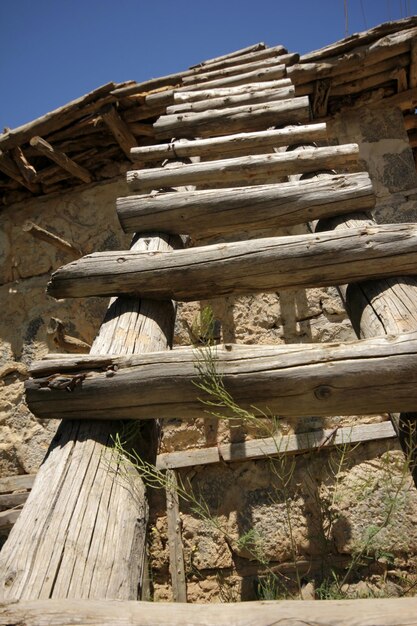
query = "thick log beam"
{"x": 238, "y": 60}
{"x": 233, "y": 55}
{"x": 233, "y": 119}
{"x": 247, "y": 170}
{"x": 261, "y": 96}
{"x": 81, "y": 534}
{"x": 231, "y": 144}
{"x": 385, "y": 612}
{"x": 61, "y": 159}
{"x": 251, "y": 66}
{"x": 180, "y": 97}
{"x": 274, "y": 73}
{"x": 361, "y": 377}
{"x": 328, "y": 258}
{"x": 219, "y": 212}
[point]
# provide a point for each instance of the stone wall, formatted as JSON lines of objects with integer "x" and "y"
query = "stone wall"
{"x": 262, "y": 517}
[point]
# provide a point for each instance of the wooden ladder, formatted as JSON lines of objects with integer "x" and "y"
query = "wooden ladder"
{"x": 221, "y": 177}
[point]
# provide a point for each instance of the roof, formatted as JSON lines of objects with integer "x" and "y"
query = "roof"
{"x": 89, "y": 139}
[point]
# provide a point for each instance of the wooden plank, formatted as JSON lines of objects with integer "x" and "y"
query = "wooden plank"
{"x": 58, "y": 118}
{"x": 274, "y": 73}
{"x": 119, "y": 129}
{"x": 175, "y": 544}
{"x": 301, "y": 261}
{"x": 247, "y": 170}
{"x": 81, "y": 533}
{"x": 251, "y": 66}
{"x": 359, "y": 39}
{"x": 274, "y": 446}
{"x": 61, "y": 159}
{"x": 413, "y": 65}
{"x": 219, "y": 212}
{"x": 241, "y": 58}
{"x": 356, "y": 378}
{"x": 232, "y": 144}
{"x": 269, "y": 95}
{"x": 368, "y": 612}
{"x": 233, "y": 119}
{"x": 8, "y": 484}
{"x": 12, "y": 500}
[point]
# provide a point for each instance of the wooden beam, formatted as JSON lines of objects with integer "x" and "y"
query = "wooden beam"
{"x": 247, "y": 170}
{"x": 119, "y": 129}
{"x": 229, "y": 145}
{"x": 12, "y": 500}
{"x": 81, "y": 532}
{"x": 262, "y": 96}
{"x": 219, "y": 212}
{"x": 8, "y": 484}
{"x": 267, "y": 74}
{"x": 232, "y": 55}
{"x": 273, "y": 446}
{"x": 175, "y": 543}
{"x": 61, "y": 159}
{"x": 413, "y": 65}
{"x": 180, "y": 97}
{"x": 54, "y": 240}
{"x": 9, "y": 167}
{"x": 233, "y": 119}
{"x": 26, "y": 169}
{"x": 384, "y": 612}
{"x": 216, "y": 74}
{"x": 301, "y": 261}
{"x": 356, "y": 378}
{"x": 58, "y": 118}
{"x": 242, "y": 58}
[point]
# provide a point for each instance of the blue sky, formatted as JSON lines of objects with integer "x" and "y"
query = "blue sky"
{"x": 53, "y": 51}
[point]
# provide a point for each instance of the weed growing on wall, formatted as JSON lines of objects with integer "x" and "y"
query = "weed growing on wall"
{"x": 335, "y": 573}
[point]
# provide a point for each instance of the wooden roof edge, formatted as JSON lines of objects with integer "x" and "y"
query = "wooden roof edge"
{"x": 357, "y": 39}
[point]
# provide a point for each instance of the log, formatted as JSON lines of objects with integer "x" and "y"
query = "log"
{"x": 302, "y": 261}
{"x": 58, "y": 118}
{"x": 216, "y": 74}
{"x": 270, "y": 95}
{"x": 9, "y": 167}
{"x": 119, "y": 129}
{"x": 390, "y": 46}
{"x": 54, "y": 240}
{"x": 359, "y": 39}
{"x": 274, "y": 446}
{"x": 8, "y": 484}
{"x": 248, "y": 170}
{"x": 205, "y": 94}
{"x": 220, "y": 212}
{"x": 274, "y": 73}
{"x": 384, "y": 612}
{"x": 61, "y": 159}
{"x": 26, "y": 169}
{"x": 405, "y": 100}
{"x": 356, "y": 378}
{"x": 233, "y": 55}
{"x": 231, "y": 144}
{"x": 12, "y": 500}
{"x": 8, "y": 519}
{"x": 413, "y": 65}
{"x": 242, "y": 58}
{"x": 233, "y": 119}
{"x": 370, "y": 82}
{"x": 81, "y": 534}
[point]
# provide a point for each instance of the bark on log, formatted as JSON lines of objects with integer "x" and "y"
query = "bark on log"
{"x": 81, "y": 533}
{"x": 360, "y": 377}
{"x": 219, "y": 212}
{"x": 249, "y": 170}
{"x": 262, "y": 96}
{"x": 61, "y": 159}
{"x": 216, "y": 74}
{"x": 242, "y": 58}
{"x": 329, "y": 258}
{"x": 385, "y": 612}
{"x": 230, "y": 144}
{"x": 233, "y": 119}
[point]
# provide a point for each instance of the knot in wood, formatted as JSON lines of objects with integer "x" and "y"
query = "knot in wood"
{"x": 323, "y": 392}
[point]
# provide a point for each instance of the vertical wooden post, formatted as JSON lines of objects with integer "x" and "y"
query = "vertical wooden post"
{"x": 176, "y": 548}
